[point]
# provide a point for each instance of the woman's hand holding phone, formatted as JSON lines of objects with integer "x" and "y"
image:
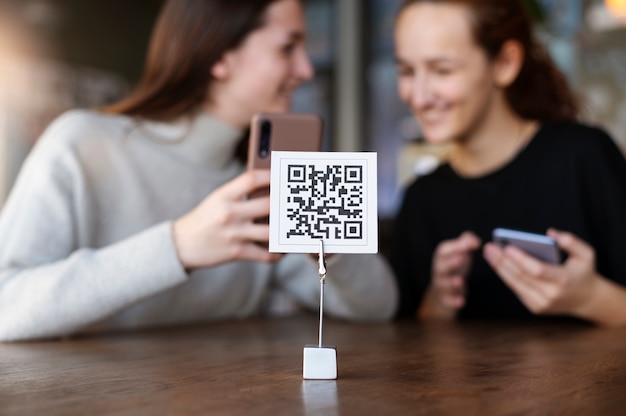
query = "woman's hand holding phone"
{"x": 451, "y": 263}
{"x": 547, "y": 288}
{"x": 222, "y": 229}
{"x": 232, "y": 223}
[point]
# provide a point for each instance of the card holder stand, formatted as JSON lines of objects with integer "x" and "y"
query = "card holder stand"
{"x": 320, "y": 361}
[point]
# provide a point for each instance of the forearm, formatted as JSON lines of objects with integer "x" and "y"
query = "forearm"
{"x": 362, "y": 287}
{"x": 606, "y": 305}
{"x": 358, "y": 287}
{"x": 62, "y": 297}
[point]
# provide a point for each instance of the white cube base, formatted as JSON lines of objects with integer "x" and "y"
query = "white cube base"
{"x": 320, "y": 363}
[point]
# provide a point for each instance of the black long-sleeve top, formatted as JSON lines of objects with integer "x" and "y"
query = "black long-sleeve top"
{"x": 569, "y": 176}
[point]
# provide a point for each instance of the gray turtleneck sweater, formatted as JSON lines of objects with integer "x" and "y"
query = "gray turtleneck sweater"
{"x": 86, "y": 236}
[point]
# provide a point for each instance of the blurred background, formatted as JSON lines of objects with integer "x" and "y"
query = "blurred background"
{"x": 61, "y": 54}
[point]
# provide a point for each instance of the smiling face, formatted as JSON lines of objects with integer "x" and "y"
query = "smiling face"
{"x": 261, "y": 74}
{"x": 443, "y": 75}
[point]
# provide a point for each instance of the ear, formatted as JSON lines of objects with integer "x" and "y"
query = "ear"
{"x": 221, "y": 69}
{"x": 508, "y": 63}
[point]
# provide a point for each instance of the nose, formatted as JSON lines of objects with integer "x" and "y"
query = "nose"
{"x": 303, "y": 68}
{"x": 420, "y": 93}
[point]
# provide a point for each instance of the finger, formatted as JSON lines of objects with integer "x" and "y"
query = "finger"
{"x": 244, "y": 184}
{"x": 452, "y": 256}
{"x": 501, "y": 263}
{"x": 526, "y": 289}
{"x": 529, "y": 266}
{"x": 457, "y": 286}
{"x": 506, "y": 267}
{"x": 453, "y": 296}
{"x": 251, "y": 209}
{"x": 448, "y": 283}
{"x": 571, "y": 244}
{"x": 447, "y": 248}
{"x": 251, "y": 232}
{"x": 453, "y": 301}
{"x": 469, "y": 241}
{"x": 453, "y": 247}
{"x": 251, "y": 251}
{"x": 449, "y": 264}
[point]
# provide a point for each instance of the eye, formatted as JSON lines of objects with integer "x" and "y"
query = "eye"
{"x": 443, "y": 70}
{"x": 288, "y": 49}
{"x": 404, "y": 71}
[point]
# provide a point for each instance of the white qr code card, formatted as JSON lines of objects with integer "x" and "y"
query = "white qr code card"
{"x": 330, "y": 196}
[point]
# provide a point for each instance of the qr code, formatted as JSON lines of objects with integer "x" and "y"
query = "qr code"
{"x": 325, "y": 203}
{"x": 323, "y": 196}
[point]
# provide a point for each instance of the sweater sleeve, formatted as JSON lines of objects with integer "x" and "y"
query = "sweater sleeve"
{"x": 49, "y": 284}
{"x": 359, "y": 287}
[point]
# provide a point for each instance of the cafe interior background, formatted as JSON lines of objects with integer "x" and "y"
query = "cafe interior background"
{"x": 62, "y": 54}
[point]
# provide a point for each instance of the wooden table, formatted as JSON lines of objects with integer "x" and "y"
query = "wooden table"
{"x": 255, "y": 368}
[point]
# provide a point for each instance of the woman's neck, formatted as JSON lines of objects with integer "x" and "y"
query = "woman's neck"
{"x": 227, "y": 114}
{"x": 492, "y": 144}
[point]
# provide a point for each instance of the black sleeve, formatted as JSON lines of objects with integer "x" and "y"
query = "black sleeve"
{"x": 603, "y": 175}
{"x": 410, "y": 256}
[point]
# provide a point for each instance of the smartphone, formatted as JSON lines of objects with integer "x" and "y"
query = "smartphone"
{"x": 539, "y": 246}
{"x": 297, "y": 132}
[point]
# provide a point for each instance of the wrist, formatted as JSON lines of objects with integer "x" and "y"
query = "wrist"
{"x": 605, "y": 304}
{"x": 432, "y": 309}
{"x": 179, "y": 243}
{"x": 585, "y": 307}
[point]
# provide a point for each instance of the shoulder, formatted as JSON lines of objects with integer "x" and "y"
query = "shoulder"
{"x": 582, "y": 147}
{"x": 75, "y": 126}
{"x": 80, "y": 131}
{"x": 576, "y": 138}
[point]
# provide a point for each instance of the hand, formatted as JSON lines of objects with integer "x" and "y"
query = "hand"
{"x": 451, "y": 263}
{"x": 546, "y": 288}
{"x": 221, "y": 228}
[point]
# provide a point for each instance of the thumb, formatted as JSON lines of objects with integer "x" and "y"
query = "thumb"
{"x": 571, "y": 244}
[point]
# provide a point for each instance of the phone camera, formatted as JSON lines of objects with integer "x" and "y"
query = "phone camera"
{"x": 264, "y": 143}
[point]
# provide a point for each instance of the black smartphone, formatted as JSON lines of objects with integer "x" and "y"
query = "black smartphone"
{"x": 539, "y": 246}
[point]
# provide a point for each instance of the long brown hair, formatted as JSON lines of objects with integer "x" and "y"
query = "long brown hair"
{"x": 189, "y": 38}
{"x": 541, "y": 91}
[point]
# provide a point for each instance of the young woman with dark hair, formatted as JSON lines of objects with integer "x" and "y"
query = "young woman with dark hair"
{"x": 475, "y": 78}
{"x": 135, "y": 215}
